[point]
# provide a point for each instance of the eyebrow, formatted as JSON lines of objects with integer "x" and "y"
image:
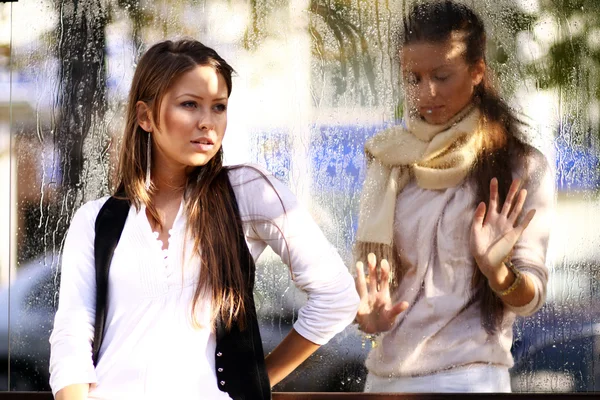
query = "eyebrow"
{"x": 436, "y": 69}
{"x": 433, "y": 69}
{"x": 200, "y": 97}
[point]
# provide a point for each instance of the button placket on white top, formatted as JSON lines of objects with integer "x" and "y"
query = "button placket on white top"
{"x": 165, "y": 254}
{"x": 173, "y": 240}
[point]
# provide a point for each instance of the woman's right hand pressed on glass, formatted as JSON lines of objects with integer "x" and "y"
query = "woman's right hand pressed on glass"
{"x": 376, "y": 312}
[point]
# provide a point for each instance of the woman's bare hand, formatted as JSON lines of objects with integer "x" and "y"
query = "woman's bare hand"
{"x": 376, "y": 312}
{"x": 494, "y": 233}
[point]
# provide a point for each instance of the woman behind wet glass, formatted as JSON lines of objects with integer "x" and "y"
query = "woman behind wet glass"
{"x": 448, "y": 207}
{"x": 179, "y": 267}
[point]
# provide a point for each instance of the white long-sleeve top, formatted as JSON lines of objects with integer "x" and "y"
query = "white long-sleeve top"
{"x": 442, "y": 327}
{"x": 151, "y": 349}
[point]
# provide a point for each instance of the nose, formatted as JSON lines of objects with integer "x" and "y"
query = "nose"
{"x": 206, "y": 121}
{"x": 427, "y": 89}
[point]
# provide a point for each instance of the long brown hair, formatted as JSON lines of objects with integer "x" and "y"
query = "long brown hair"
{"x": 435, "y": 22}
{"x": 210, "y": 205}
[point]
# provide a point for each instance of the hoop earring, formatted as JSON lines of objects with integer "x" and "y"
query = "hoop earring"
{"x": 148, "y": 160}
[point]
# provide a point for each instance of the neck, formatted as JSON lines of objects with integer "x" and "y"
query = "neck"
{"x": 169, "y": 177}
{"x": 426, "y": 131}
{"x": 168, "y": 181}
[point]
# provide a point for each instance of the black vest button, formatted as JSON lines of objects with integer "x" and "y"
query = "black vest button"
{"x": 222, "y": 383}
{"x": 219, "y": 354}
{"x": 220, "y": 369}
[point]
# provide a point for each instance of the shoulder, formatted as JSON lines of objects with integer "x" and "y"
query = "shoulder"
{"x": 536, "y": 172}
{"x": 92, "y": 207}
{"x": 85, "y": 216}
{"x": 257, "y": 191}
{"x": 247, "y": 173}
{"x": 82, "y": 227}
{"x": 532, "y": 165}
{"x": 251, "y": 180}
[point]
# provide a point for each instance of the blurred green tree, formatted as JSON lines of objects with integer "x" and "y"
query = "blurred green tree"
{"x": 571, "y": 61}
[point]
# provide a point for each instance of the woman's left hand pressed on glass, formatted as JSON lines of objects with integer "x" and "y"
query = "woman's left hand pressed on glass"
{"x": 495, "y": 232}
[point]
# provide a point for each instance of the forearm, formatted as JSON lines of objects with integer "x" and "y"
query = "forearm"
{"x": 523, "y": 293}
{"x": 74, "y": 392}
{"x": 288, "y": 355}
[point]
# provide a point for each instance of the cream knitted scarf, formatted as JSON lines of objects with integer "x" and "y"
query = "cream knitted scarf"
{"x": 437, "y": 156}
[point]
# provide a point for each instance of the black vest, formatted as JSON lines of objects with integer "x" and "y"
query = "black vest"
{"x": 239, "y": 357}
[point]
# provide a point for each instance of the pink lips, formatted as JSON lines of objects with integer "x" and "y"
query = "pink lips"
{"x": 430, "y": 109}
{"x": 202, "y": 144}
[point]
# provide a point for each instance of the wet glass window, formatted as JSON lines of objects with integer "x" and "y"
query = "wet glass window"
{"x": 315, "y": 79}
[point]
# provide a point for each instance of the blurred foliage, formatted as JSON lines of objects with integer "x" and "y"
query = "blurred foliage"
{"x": 572, "y": 61}
{"x": 139, "y": 16}
{"x": 258, "y": 28}
{"x": 338, "y": 36}
{"x": 350, "y": 47}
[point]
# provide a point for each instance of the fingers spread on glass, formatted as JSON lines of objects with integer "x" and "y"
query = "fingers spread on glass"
{"x": 376, "y": 312}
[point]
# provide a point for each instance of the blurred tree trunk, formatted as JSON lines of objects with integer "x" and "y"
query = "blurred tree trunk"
{"x": 81, "y": 102}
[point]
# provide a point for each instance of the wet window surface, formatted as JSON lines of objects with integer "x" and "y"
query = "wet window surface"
{"x": 314, "y": 80}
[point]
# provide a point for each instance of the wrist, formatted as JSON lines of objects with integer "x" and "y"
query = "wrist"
{"x": 501, "y": 278}
{"x": 273, "y": 371}
{"x": 495, "y": 274}
{"x": 507, "y": 280}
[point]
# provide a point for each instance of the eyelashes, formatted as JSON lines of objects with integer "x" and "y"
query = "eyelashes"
{"x": 219, "y": 107}
{"x": 415, "y": 81}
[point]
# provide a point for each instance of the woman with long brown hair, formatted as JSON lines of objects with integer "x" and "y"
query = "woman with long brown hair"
{"x": 448, "y": 207}
{"x": 180, "y": 321}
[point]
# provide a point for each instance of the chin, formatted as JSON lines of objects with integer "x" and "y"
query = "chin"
{"x": 436, "y": 120}
{"x": 199, "y": 161}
